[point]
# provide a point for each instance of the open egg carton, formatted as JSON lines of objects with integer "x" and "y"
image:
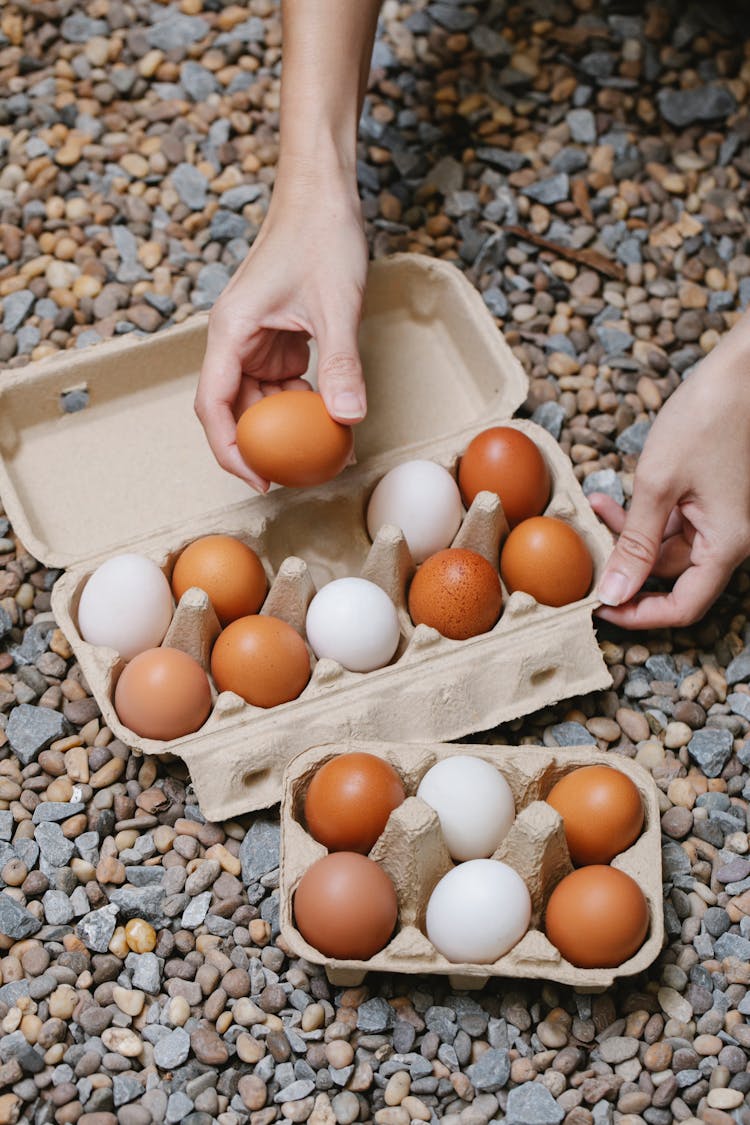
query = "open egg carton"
{"x": 413, "y": 853}
{"x": 132, "y": 471}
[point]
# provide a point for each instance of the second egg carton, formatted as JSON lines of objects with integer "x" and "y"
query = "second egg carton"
{"x": 412, "y": 851}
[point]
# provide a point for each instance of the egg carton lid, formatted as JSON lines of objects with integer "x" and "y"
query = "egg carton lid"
{"x": 100, "y": 449}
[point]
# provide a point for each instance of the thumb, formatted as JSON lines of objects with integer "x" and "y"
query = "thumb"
{"x": 638, "y": 545}
{"x": 340, "y": 378}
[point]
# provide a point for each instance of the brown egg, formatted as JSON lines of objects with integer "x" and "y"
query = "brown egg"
{"x": 262, "y": 659}
{"x": 346, "y": 906}
{"x": 228, "y": 570}
{"x": 548, "y": 559}
{"x": 507, "y": 462}
{"x": 350, "y": 799}
{"x": 163, "y": 693}
{"x": 601, "y": 810}
{"x": 597, "y": 917}
{"x": 457, "y": 592}
{"x": 291, "y": 438}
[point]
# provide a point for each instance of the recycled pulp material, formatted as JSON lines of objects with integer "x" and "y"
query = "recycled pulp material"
{"x": 412, "y": 851}
{"x": 132, "y": 471}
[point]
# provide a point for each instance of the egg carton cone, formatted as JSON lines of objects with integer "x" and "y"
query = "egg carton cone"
{"x": 412, "y": 851}
{"x": 132, "y": 472}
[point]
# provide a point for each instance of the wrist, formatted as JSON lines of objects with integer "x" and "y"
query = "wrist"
{"x": 318, "y": 178}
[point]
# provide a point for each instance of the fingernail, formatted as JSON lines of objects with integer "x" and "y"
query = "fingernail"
{"x": 613, "y": 588}
{"x": 348, "y": 404}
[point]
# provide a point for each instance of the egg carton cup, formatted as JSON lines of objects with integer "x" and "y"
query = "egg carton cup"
{"x": 132, "y": 472}
{"x": 412, "y": 851}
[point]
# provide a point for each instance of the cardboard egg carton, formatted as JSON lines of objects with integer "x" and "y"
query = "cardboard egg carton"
{"x": 412, "y": 851}
{"x": 133, "y": 472}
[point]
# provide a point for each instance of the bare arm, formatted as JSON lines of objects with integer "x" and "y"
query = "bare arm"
{"x": 305, "y": 274}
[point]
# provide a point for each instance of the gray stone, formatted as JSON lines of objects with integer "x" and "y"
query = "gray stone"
{"x": 606, "y": 481}
{"x": 447, "y": 175}
{"x": 196, "y": 910}
{"x": 234, "y": 199}
{"x": 739, "y": 704}
{"x": 633, "y": 439}
{"x": 738, "y": 670}
{"x": 661, "y": 667}
{"x": 259, "y": 852}
{"x": 489, "y": 43}
{"x": 375, "y": 1015}
{"x": 552, "y": 190}
{"x": 178, "y": 1107}
{"x": 32, "y": 729}
{"x": 614, "y": 340}
{"x": 710, "y": 750}
{"x": 618, "y": 1048}
{"x": 702, "y": 103}
{"x": 79, "y": 28}
{"x": 582, "y": 125}
{"x": 146, "y": 972}
{"x": 56, "y": 810}
{"x": 532, "y": 1104}
{"x": 140, "y": 902}
{"x": 732, "y": 945}
{"x": 191, "y": 186}
{"x": 226, "y": 225}
{"x": 145, "y": 876}
{"x": 295, "y": 1091}
{"x": 16, "y": 1047}
{"x": 125, "y": 1088}
{"x": 502, "y": 158}
{"x": 451, "y": 16}
{"x": 15, "y": 920}
{"x": 496, "y": 301}
{"x": 16, "y": 307}
{"x": 96, "y": 929}
{"x": 171, "y": 1051}
{"x": 211, "y": 281}
{"x": 491, "y": 1071}
{"x": 571, "y": 734}
{"x": 551, "y": 416}
{"x": 11, "y": 992}
{"x": 6, "y": 825}
{"x": 57, "y": 908}
{"x": 197, "y": 81}
{"x": 56, "y": 849}
{"x": 176, "y": 31}
{"x": 570, "y": 160}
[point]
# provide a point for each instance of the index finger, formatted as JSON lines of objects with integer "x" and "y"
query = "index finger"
{"x": 218, "y": 388}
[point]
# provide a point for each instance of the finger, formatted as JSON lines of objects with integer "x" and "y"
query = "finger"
{"x": 608, "y": 510}
{"x": 218, "y": 386}
{"x": 613, "y": 514}
{"x": 693, "y": 594}
{"x": 340, "y": 378}
{"x": 250, "y": 391}
{"x": 638, "y": 545}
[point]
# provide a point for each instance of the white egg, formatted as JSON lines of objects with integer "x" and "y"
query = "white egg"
{"x": 126, "y": 605}
{"x": 422, "y": 499}
{"x": 478, "y": 911}
{"x": 474, "y": 803}
{"x": 354, "y": 622}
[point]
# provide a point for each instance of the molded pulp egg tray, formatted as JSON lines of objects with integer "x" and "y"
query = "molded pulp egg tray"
{"x": 412, "y": 851}
{"x": 132, "y": 471}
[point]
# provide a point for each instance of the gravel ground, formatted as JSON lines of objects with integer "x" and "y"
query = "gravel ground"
{"x": 588, "y": 165}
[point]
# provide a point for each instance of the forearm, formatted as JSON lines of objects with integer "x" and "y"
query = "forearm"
{"x": 327, "y": 46}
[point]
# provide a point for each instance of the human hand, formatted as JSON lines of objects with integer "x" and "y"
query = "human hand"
{"x": 689, "y": 519}
{"x": 304, "y": 277}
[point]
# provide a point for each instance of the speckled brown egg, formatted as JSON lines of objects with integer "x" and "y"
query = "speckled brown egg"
{"x": 457, "y": 592}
